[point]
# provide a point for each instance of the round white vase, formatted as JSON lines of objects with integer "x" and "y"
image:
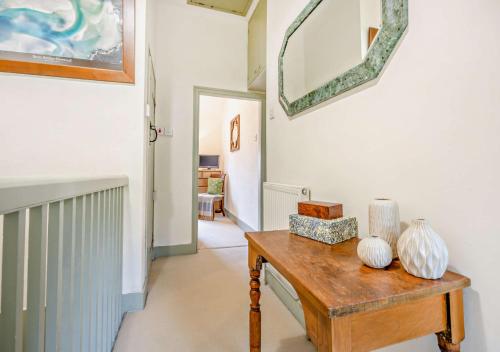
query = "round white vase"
{"x": 384, "y": 222}
{"x": 375, "y": 252}
{"x": 422, "y": 251}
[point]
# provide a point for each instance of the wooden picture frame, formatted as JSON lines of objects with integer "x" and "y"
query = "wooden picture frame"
{"x": 47, "y": 65}
{"x": 235, "y": 134}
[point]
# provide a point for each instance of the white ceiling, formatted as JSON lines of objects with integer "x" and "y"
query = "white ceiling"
{"x": 237, "y": 7}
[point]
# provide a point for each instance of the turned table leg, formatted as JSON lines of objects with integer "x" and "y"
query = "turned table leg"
{"x": 255, "y": 315}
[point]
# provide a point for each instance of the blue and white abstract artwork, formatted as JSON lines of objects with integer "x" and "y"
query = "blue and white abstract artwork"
{"x": 84, "y": 33}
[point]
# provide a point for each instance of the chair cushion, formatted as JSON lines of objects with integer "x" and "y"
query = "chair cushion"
{"x": 211, "y": 197}
{"x": 215, "y": 185}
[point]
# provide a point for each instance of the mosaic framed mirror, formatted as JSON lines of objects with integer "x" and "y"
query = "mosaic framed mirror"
{"x": 336, "y": 45}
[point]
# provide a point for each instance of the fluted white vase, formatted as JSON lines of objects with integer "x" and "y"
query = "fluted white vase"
{"x": 375, "y": 252}
{"x": 384, "y": 222}
{"x": 422, "y": 251}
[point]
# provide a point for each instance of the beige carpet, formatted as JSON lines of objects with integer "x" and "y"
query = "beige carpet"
{"x": 220, "y": 233}
{"x": 200, "y": 303}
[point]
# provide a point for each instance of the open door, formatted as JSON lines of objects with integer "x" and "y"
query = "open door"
{"x": 153, "y": 135}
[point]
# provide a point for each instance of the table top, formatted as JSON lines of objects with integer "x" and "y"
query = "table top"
{"x": 335, "y": 279}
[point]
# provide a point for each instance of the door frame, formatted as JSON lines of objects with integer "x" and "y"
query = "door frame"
{"x": 223, "y": 93}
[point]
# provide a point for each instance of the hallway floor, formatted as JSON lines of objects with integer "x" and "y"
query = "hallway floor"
{"x": 220, "y": 233}
{"x": 200, "y": 303}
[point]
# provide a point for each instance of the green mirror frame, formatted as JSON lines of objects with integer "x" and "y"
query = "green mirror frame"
{"x": 394, "y": 24}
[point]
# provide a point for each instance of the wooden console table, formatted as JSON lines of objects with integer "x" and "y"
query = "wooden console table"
{"x": 351, "y": 307}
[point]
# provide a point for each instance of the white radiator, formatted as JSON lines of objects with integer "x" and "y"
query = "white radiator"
{"x": 279, "y": 202}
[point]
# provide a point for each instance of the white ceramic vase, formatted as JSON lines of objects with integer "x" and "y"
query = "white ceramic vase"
{"x": 422, "y": 251}
{"x": 384, "y": 222}
{"x": 375, "y": 252}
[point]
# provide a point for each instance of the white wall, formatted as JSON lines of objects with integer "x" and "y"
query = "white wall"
{"x": 426, "y": 135}
{"x": 194, "y": 47}
{"x": 243, "y": 166}
{"x": 51, "y": 127}
{"x": 211, "y": 126}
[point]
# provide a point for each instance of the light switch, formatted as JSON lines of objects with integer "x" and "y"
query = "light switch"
{"x": 165, "y": 132}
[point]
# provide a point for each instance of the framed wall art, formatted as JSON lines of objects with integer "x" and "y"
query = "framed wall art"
{"x": 85, "y": 39}
{"x": 235, "y": 134}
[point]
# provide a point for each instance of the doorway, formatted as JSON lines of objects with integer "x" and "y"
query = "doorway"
{"x": 228, "y": 143}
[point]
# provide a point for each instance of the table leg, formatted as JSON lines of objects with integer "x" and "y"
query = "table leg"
{"x": 255, "y": 315}
{"x": 449, "y": 340}
{"x": 334, "y": 335}
{"x": 446, "y": 346}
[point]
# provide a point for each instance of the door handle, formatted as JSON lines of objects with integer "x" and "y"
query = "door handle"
{"x": 153, "y": 128}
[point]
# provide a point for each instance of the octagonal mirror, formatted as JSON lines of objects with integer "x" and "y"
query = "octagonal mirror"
{"x": 337, "y": 45}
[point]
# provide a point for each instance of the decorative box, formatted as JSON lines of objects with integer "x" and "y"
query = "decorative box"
{"x": 321, "y": 210}
{"x": 326, "y": 231}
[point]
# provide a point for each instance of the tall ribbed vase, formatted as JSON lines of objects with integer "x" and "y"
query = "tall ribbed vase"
{"x": 384, "y": 222}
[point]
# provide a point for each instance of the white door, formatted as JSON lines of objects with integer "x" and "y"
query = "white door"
{"x": 150, "y": 121}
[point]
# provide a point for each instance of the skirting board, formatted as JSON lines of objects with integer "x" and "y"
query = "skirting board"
{"x": 133, "y": 302}
{"x": 245, "y": 227}
{"x": 170, "y": 251}
{"x": 136, "y": 301}
{"x": 185, "y": 249}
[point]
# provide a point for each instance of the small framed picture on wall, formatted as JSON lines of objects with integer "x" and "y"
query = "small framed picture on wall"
{"x": 235, "y": 134}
